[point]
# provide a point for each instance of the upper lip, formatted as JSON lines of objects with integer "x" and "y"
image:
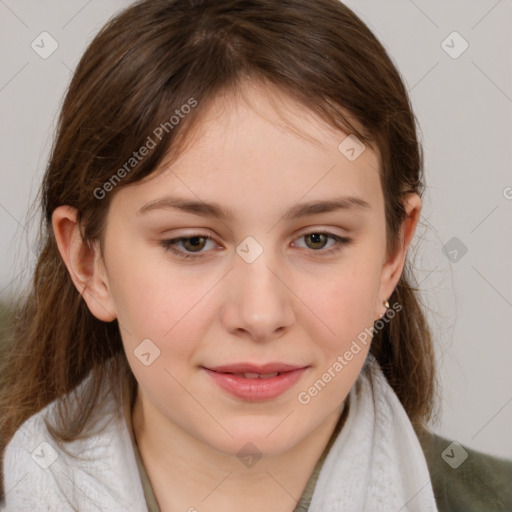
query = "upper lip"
{"x": 254, "y": 368}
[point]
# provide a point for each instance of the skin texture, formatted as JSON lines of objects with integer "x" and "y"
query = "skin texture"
{"x": 256, "y": 155}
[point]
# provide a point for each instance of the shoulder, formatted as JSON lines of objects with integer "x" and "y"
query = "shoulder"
{"x": 465, "y": 480}
{"x": 95, "y": 472}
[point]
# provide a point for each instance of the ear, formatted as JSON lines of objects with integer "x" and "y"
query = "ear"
{"x": 394, "y": 264}
{"x": 84, "y": 263}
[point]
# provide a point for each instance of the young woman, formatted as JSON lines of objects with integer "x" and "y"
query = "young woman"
{"x": 221, "y": 315}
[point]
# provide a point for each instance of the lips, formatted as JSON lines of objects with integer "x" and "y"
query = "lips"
{"x": 260, "y": 370}
{"x": 256, "y": 382}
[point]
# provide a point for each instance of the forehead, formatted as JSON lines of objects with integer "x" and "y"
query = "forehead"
{"x": 256, "y": 109}
{"x": 261, "y": 146}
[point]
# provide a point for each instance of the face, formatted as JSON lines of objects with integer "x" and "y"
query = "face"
{"x": 263, "y": 279}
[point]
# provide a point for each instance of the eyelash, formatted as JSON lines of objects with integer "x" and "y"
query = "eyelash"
{"x": 169, "y": 245}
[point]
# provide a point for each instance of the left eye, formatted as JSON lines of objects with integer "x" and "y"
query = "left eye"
{"x": 194, "y": 244}
{"x": 320, "y": 238}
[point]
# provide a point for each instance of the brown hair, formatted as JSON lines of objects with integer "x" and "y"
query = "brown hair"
{"x": 150, "y": 60}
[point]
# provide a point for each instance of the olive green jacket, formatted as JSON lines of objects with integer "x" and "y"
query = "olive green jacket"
{"x": 465, "y": 480}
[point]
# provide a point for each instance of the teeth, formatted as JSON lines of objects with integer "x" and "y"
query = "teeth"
{"x": 251, "y": 375}
{"x": 269, "y": 375}
{"x": 257, "y": 375}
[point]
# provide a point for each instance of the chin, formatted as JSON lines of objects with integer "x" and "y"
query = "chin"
{"x": 264, "y": 438}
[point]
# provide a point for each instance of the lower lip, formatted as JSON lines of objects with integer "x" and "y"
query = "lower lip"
{"x": 256, "y": 389}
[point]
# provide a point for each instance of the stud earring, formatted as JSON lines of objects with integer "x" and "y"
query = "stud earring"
{"x": 386, "y": 305}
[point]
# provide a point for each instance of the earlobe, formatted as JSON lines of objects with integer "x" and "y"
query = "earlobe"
{"x": 394, "y": 265}
{"x": 84, "y": 263}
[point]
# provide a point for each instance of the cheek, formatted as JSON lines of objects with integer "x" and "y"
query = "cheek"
{"x": 151, "y": 301}
{"x": 345, "y": 302}
{"x": 171, "y": 307}
{"x": 346, "y": 305}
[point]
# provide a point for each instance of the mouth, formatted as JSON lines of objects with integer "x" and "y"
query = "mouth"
{"x": 248, "y": 375}
{"x": 256, "y": 382}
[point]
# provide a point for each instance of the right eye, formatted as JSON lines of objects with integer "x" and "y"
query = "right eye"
{"x": 197, "y": 241}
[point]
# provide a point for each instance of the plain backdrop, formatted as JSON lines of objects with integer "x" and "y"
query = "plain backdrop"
{"x": 463, "y": 102}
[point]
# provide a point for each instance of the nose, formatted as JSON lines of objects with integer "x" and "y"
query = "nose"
{"x": 259, "y": 301}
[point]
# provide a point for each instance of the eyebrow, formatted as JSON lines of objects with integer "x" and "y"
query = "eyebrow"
{"x": 217, "y": 211}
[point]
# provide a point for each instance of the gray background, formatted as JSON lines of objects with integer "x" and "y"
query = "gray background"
{"x": 463, "y": 106}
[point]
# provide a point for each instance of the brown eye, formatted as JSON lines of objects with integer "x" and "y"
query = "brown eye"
{"x": 187, "y": 247}
{"x": 318, "y": 240}
{"x": 195, "y": 243}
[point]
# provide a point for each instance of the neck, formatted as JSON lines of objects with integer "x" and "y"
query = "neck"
{"x": 186, "y": 474}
